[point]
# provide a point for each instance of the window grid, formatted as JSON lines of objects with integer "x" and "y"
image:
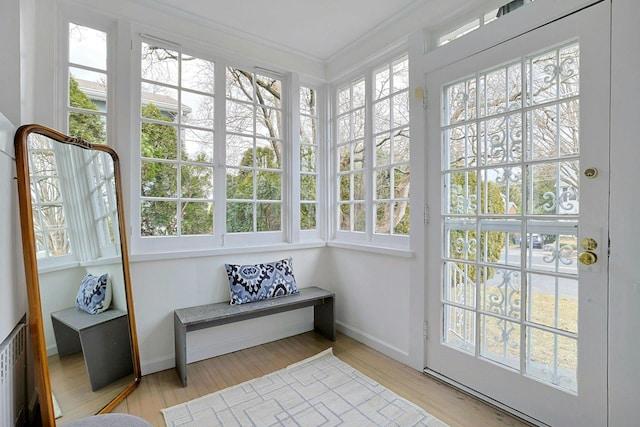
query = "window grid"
{"x": 351, "y": 157}
{"x": 254, "y": 149}
{"x": 177, "y": 142}
{"x": 101, "y": 178}
{"x": 87, "y": 102}
{"x": 49, "y": 220}
{"x": 391, "y": 139}
{"x": 309, "y": 178}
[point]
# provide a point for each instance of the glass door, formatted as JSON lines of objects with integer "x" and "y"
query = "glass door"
{"x": 518, "y": 312}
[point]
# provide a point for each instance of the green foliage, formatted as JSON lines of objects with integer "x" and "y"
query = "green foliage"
{"x": 87, "y": 126}
{"x": 240, "y": 188}
{"x": 158, "y": 179}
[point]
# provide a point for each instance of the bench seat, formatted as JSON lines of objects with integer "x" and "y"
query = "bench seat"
{"x": 210, "y": 315}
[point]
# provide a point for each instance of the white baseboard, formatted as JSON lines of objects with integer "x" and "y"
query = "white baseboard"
{"x": 374, "y": 342}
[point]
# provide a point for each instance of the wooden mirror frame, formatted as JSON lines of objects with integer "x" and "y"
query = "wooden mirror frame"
{"x": 36, "y": 321}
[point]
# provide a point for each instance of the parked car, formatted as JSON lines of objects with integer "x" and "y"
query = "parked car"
{"x": 534, "y": 241}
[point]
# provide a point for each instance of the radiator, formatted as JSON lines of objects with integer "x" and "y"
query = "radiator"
{"x": 13, "y": 359}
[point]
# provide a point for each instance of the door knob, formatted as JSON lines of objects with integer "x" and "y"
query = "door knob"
{"x": 588, "y": 244}
{"x": 587, "y": 258}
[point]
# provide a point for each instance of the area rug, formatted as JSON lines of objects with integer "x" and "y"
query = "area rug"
{"x": 319, "y": 391}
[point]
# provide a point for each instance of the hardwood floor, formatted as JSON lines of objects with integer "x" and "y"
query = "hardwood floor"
{"x": 71, "y": 388}
{"x": 163, "y": 389}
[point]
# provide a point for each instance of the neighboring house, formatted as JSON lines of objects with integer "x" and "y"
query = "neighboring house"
{"x": 166, "y": 104}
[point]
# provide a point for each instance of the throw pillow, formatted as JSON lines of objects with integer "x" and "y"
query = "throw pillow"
{"x": 249, "y": 283}
{"x": 94, "y": 295}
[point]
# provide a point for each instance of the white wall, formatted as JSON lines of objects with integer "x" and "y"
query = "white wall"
{"x": 624, "y": 283}
{"x": 372, "y": 298}
{"x": 13, "y": 300}
{"x": 161, "y": 286}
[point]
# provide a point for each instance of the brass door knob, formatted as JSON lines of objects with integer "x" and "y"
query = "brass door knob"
{"x": 587, "y": 258}
{"x": 588, "y": 244}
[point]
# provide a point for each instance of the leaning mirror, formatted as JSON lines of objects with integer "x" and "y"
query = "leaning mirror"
{"x": 78, "y": 283}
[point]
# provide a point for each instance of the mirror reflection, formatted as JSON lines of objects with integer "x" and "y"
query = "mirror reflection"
{"x": 81, "y": 297}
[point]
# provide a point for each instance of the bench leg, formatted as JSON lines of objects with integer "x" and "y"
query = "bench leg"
{"x": 324, "y": 321}
{"x": 180, "y": 335}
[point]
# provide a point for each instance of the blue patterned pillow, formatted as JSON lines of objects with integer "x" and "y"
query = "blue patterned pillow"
{"x": 94, "y": 295}
{"x": 249, "y": 283}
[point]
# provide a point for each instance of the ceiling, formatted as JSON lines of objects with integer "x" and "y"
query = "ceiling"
{"x": 318, "y": 29}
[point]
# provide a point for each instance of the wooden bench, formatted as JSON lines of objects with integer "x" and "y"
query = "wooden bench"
{"x": 206, "y": 316}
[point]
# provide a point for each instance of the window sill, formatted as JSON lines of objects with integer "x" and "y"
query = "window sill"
{"x": 382, "y": 250}
{"x": 157, "y": 256}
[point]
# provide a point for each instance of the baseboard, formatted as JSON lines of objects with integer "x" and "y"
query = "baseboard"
{"x": 374, "y": 342}
{"x": 156, "y": 365}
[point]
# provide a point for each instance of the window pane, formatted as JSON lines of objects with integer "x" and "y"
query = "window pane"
{"x": 198, "y": 74}
{"x": 239, "y": 217}
{"x": 198, "y": 145}
{"x": 239, "y": 150}
{"x": 197, "y": 218}
{"x": 159, "y": 64}
{"x": 158, "y": 218}
{"x": 197, "y": 110}
{"x": 158, "y": 141}
{"x": 196, "y": 182}
{"x": 308, "y": 215}
{"x": 159, "y": 179}
{"x": 383, "y": 83}
{"x": 269, "y": 186}
{"x": 307, "y": 158}
{"x": 240, "y": 184}
{"x": 268, "y": 217}
{"x": 80, "y": 38}
{"x": 308, "y": 187}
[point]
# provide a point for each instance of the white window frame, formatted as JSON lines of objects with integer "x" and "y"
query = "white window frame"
{"x": 321, "y": 150}
{"x": 97, "y": 247}
{"x": 466, "y": 23}
{"x": 368, "y": 237}
{"x": 222, "y": 240}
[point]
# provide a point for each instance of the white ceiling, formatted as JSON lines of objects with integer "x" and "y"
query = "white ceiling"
{"x": 316, "y": 28}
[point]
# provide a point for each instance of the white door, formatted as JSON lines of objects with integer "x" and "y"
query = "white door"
{"x": 518, "y": 142}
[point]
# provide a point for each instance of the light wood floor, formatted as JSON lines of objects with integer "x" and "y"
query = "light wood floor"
{"x": 163, "y": 389}
{"x": 71, "y": 387}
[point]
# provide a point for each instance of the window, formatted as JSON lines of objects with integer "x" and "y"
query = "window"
{"x": 176, "y": 143}
{"x": 351, "y": 157}
{"x": 98, "y": 169}
{"x": 391, "y": 142}
{"x": 49, "y": 220}
{"x": 485, "y": 17}
{"x": 372, "y": 176}
{"x": 254, "y": 151}
{"x": 87, "y": 106}
{"x": 85, "y": 112}
{"x": 309, "y": 177}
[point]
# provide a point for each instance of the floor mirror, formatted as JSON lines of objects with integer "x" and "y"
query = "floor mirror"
{"x": 81, "y": 315}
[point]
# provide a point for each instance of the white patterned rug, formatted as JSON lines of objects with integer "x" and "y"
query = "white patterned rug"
{"x": 319, "y": 391}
